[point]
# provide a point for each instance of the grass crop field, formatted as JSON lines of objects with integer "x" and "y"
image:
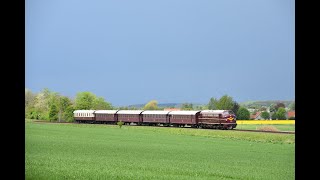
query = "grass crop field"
{"x": 85, "y": 151}
{"x": 280, "y": 127}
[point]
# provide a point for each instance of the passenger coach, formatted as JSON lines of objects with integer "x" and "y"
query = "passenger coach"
{"x": 84, "y": 116}
{"x": 184, "y": 118}
{"x": 106, "y": 116}
{"x": 155, "y": 117}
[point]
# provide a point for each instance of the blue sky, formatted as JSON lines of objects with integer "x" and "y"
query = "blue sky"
{"x": 131, "y": 52}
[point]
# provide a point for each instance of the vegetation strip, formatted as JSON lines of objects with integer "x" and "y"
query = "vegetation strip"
{"x": 265, "y": 121}
{"x": 280, "y": 132}
{"x": 247, "y": 130}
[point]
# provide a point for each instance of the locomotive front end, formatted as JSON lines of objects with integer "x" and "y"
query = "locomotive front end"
{"x": 231, "y": 120}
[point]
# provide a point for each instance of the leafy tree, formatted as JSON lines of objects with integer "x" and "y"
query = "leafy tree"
{"x": 68, "y": 114}
{"x": 29, "y": 98}
{"x": 212, "y": 103}
{"x": 243, "y": 113}
{"x": 274, "y": 116}
{"x": 53, "y": 113}
{"x": 100, "y": 104}
{"x": 236, "y": 107}
{"x": 187, "y": 106}
{"x": 265, "y": 115}
{"x": 85, "y": 100}
{"x": 42, "y": 104}
{"x": 281, "y": 113}
{"x": 292, "y": 106}
{"x": 225, "y": 102}
{"x": 42, "y": 100}
{"x": 278, "y": 105}
{"x": 151, "y": 105}
{"x": 31, "y": 113}
{"x": 63, "y": 104}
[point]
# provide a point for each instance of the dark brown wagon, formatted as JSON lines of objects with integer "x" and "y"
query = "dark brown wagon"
{"x": 155, "y": 117}
{"x": 130, "y": 116}
{"x": 183, "y": 118}
{"x": 106, "y": 116}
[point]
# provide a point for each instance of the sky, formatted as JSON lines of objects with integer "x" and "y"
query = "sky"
{"x": 172, "y": 51}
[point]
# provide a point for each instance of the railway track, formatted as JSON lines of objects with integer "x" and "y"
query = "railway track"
{"x": 245, "y": 130}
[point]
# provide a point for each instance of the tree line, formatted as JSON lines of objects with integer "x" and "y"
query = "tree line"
{"x": 52, "y": 106}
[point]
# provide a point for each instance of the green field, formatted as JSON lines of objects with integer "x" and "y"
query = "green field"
{"x": 79, "y": 151}
{"x": 280, "y": 127}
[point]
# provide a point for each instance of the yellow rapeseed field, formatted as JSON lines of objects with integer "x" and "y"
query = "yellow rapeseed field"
{"x": 265, "y": 121}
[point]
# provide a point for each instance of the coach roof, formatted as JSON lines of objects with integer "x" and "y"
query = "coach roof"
{"x": 83, "y": 111}
{"x": 129, "y": 111}
{"x": 155, "y": 112}
{"x": 212, "y": 111}
{"x": 183, "y": 112}
{"x": 105, "y": 111}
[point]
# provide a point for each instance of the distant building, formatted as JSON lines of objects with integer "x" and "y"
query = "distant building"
{"x": 251, "y": 110}
{"x": 256, "y": 116}
{"x": 291, "y": 114}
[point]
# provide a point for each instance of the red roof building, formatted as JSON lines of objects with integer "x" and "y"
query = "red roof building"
{"x": 291, "y": 114}
{"x": 256, "y": 116}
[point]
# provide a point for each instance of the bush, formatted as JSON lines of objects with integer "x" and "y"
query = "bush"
{"x": 292, "y": 118}
{"x": 120, "y": 123}
{"x": 243, "y": 114}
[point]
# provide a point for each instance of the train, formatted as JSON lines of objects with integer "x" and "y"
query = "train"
{"x": 214, "y": 119}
